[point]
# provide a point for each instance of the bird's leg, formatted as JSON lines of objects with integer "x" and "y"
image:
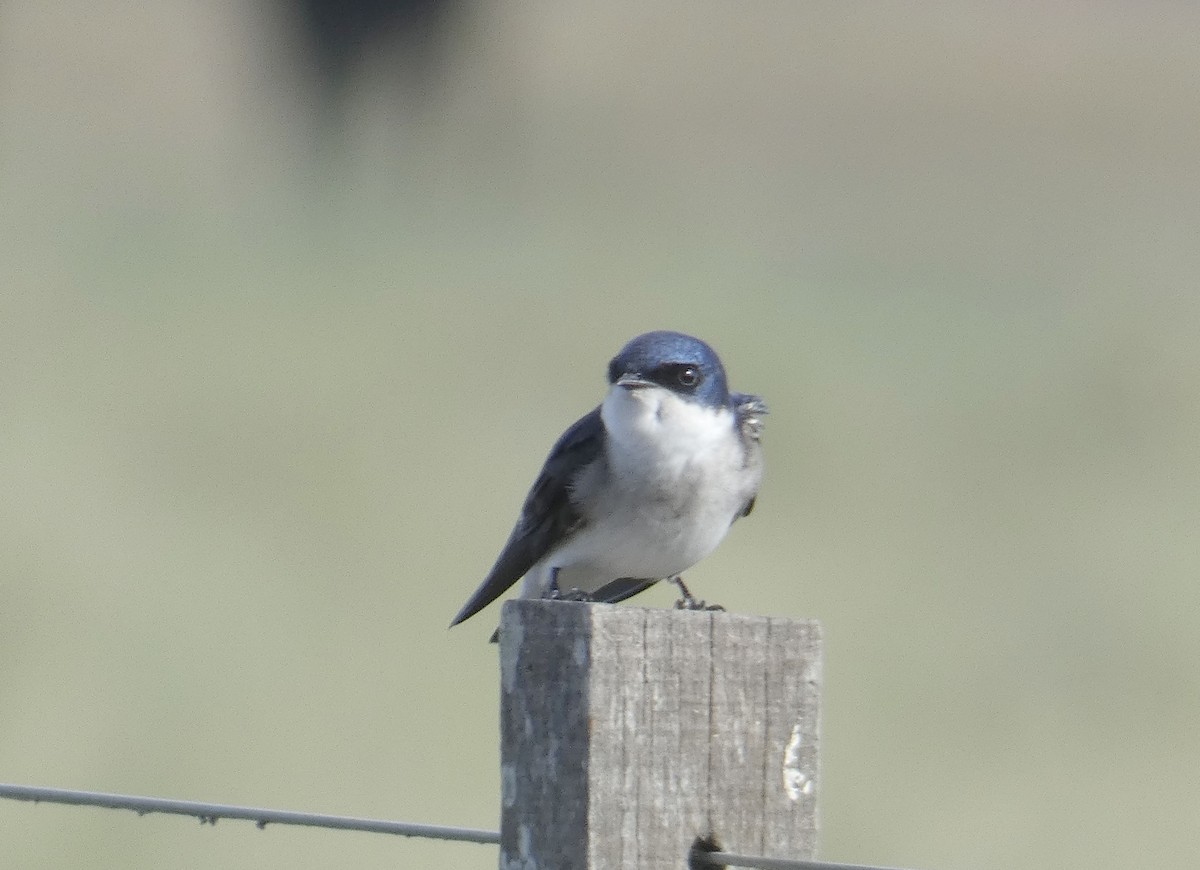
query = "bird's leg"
{"x": 689, "y": 601}
{"x": 556, "y": 594}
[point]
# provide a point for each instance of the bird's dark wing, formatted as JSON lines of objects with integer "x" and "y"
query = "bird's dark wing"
{"x": 548, "y": 515}
{"x": 748, "y": 411}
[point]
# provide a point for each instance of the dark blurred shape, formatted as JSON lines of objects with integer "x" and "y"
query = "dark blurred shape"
{"x": 343, "y": 34}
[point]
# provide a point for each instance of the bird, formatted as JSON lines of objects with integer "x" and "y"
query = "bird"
{"x": 642, "y": 487}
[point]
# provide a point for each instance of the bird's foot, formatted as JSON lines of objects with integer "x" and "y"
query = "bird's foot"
{"x": 690, "y": 601}
{"x": 557, "y": 594}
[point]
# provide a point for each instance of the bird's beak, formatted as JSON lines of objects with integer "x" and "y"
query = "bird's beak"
{"x": 631, "y": 381}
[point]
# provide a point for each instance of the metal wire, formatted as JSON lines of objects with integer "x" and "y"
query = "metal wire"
{"x": 730, "y": 859}
{"x": 209, "y": 813}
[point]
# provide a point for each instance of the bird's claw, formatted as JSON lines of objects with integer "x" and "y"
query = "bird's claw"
{"x": 690, "y": 601}
{"x": 557, "y": 594}
{"x": 698, "y": 604}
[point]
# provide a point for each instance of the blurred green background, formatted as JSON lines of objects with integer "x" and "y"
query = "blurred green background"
{"x": 272, "y": 390}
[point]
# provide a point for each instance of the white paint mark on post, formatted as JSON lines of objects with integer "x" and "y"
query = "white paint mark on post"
{"x": 796, "y": 782}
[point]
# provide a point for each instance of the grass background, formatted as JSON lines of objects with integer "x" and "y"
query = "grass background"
{"x": 270, "y": 398}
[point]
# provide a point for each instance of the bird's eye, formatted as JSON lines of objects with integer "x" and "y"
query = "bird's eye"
{"x": 677, "y": 376}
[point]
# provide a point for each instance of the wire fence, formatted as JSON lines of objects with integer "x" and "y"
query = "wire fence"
{"x": 209, "y": 813}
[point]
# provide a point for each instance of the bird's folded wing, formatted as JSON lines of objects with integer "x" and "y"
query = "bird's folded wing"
{"x": 548, "y": 516}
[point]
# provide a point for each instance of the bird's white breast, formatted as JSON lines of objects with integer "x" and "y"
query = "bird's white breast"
{"x": 675, "y": 477}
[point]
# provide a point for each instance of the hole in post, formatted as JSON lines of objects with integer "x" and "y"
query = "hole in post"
{"x": 700, "y": 849}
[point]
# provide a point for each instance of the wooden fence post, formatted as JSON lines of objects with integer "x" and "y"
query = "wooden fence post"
{"x": 626, "y": 734}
